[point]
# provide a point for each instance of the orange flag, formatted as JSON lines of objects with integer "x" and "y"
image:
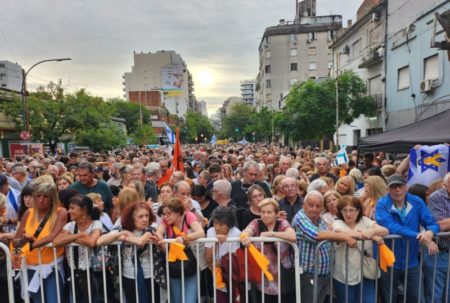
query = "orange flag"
{"x": 176, "y": 252}
{"x": 261, "y": 260}
{"x": 177, "y": 161}
{"x": 387, "y": 257}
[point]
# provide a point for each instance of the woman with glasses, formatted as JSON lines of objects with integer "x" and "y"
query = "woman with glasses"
{"x": 347, "y": 267}
{"x": 255, "y": 195}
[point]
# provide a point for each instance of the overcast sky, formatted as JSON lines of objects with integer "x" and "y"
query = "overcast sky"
{"x": 217, "y": 39}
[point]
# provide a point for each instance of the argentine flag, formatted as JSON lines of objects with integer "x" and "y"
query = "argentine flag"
{"x": 341, "y": 157}
{"x": 213, "y": 139}
{"x": 428, "y": 164}
{"x": 170, "y": 134}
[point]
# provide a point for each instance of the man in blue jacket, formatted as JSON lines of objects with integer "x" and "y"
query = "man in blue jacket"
{"x": 403, "y": 214}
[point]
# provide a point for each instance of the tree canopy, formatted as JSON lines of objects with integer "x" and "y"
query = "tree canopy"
{"x": 196, "y": 125}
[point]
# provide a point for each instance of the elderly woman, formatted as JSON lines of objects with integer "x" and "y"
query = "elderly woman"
{"x": 63, "y": 182}
{"x": 84, "y": 229}
{"x": 347, "y": 273}
{"x": 39, "y": 227}
{"x": 331, "y": 199}
{"x": 224, "y": 219}
{"x": 345, "y": 186}
{"x": 270, "y": 226}
{"x": 255, "y": 195}
{"x": 184, "y": 227}
{"x": 136, "y": 220}
{"x": 277, "y": 188}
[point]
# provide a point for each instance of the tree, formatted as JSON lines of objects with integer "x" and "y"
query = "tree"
{"x": 237, "y": 123}
{"x": 197, "y": 125}
{"x": 104, "y": 137}
{"x": 131, "y": 112}
{"x": 144, "y": 135}
{"x": 262, "y": 123}
{"x": 310, "y": 111}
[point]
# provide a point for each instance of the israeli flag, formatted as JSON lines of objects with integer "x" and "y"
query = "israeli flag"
{"x": 341, "y": 157}
{"x": 213, "y": 139}
{"x": 170, "y": 134}
{"x": 428, "y": 164}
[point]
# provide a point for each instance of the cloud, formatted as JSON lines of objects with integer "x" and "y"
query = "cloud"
{"x": 100, "y": 36}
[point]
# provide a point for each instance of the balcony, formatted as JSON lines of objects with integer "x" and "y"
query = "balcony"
{"x": 371, "y": 57}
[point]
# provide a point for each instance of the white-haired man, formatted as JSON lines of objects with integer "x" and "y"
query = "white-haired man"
{"x": 323, "y": 169}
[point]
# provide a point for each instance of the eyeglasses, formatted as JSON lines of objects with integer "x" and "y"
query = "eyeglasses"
{"x": 349, "y": 211}
{"x": 166, "y": 213}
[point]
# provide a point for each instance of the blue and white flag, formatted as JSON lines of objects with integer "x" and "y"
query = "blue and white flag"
{"x": 428, "y": 164}
{"x": 213, "y": 139}
{"x": 341, "y": 157}
{"x": 170, "y": 134}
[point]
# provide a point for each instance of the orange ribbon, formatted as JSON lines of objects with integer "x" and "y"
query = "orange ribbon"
{"x": 219, "y": 282}
{"x": 176, "y": 252}
{"x": 387, "y": 257}
{"x": 260, "y": 259}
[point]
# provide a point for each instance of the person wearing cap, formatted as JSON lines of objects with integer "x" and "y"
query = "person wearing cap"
{"x": 404, "y": 214}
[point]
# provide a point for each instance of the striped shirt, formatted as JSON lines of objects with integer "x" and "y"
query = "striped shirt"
{"x": 440, "y": 209}
{"x": 307, "y": 232}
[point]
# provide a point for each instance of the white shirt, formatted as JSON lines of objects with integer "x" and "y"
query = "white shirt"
{"x": 106, "y": 220}
{"x": 84, "y": 253}
{"x": 225, "y": 247}
{"x": 354, "y": 254}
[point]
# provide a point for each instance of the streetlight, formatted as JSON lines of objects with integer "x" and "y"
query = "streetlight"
{"x": 24, "y": 92}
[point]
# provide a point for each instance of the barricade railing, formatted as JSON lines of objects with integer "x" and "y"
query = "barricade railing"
{"x": 9, "y": 272}
{"x": 428, "y": 281}
{"x": 66, "y": 288}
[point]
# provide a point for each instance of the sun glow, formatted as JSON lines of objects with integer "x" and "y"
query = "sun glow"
{"x": 204, "y": 78}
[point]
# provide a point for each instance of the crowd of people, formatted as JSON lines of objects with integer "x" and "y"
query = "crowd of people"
{"x": 298, "y": 195}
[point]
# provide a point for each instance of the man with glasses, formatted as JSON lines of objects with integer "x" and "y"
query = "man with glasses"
{"x": 404, "y": 214}
{"x": 239, "y": 188}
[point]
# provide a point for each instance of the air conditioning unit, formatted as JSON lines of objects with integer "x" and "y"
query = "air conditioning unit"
{"x": 346, "y": 50}
{"x": 426, "y": 86}
{"x": 375, "y": 17}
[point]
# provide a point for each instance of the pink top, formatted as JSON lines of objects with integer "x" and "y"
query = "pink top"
{"x": 189, "y": 218}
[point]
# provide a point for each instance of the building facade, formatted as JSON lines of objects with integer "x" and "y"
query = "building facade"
{"x": 361, "y": 48}
{"x": 248, "y": 92}
{"x": 417, "y": 75}
{"x": 163, "y": 74}
{"x": 10, "y": 76}
{"x": 293, "y": 52}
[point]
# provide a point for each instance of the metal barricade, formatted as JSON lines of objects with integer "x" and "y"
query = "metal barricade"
{"x": 427, "y": 282}
{"x": 9, "y": 272}
{"x": 66, "y": 288}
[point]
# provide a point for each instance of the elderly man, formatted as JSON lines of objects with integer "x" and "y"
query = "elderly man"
{"x": 310, "y": 230}
{"x": 88, "y": 184}
{"x": 439, "y": 206}
{"x": 20, "y": 174}
{"x": 153, "y": 172}
{"x": 239, "y": 188}
{"x": 404, "y": 214}
{"x": 182, "y": 191}
{"x": 292, "y": 201}
{"x": 323, "y": 169}
{"x": 114, "y": 174}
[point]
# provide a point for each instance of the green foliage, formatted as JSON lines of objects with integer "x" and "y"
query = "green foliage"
{"x": 310, "y": 111}
{"x": 195, "y": 125}
{"x": 261, "y": 124}
{"x": 129, "y": 111}
{"x": 104, "y": 137}
{"x": 144, "y": 135}
{"x": 237, "y": 123}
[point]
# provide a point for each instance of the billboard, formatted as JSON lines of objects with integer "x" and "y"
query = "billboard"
{"x": 172, "y": 80}
{"x": 20, "y": 149}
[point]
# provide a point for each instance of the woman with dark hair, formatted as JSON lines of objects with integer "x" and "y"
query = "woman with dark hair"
{"x": 84, "y": 229}
{"x": 347, "y": 273}
{"x": 26, "y": 201}
{"x": 255, "y": 195}
{"x": 176, "y": 224}
{"x": 136, "y": 219}
{"x": 224, "y": 219}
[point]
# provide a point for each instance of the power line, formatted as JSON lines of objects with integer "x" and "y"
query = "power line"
{"x": 7, "y": 44}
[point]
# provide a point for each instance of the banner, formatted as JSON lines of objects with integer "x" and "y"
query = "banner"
{"x": 341, "y": 157}
{"x": 213, "y": 139}
{"x": 169, "y": 134}
{"x": 428, "y": 164}
{"x": 172, "y": 80}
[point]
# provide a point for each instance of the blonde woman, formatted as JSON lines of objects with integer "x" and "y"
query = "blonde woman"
{"x": 47, "y": 214}
{"x": 375, "y": 188}
{"x": 126, "y": 197}
{"x": 346, "y": 186}
{"x": 331, "y": 199}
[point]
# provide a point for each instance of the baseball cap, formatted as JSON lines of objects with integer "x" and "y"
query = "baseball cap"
{"x": 395, "y": 180}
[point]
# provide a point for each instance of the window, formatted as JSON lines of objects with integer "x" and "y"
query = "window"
{"x": 311, "y": 36}
{"x": 293, "y": 66}
{"x": 312, "y": 51}
{"x": 330, "y": 35}
{"x": 268, "y": 83}
{"x": 293, "y": 52}
{"x": 356, "y": 48}
{"x": 293, "y": 81}
{"x": 293, "y": 38}
{"x": 403, "y": 78}
{"x": 268, "y": 54}
{"x": 267, "y": 70}
{"x": 431, "y": 68}
{"x": 330, "y": 64}
{"x": 268, "y": 97}
{"x": 312, "y": 66}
